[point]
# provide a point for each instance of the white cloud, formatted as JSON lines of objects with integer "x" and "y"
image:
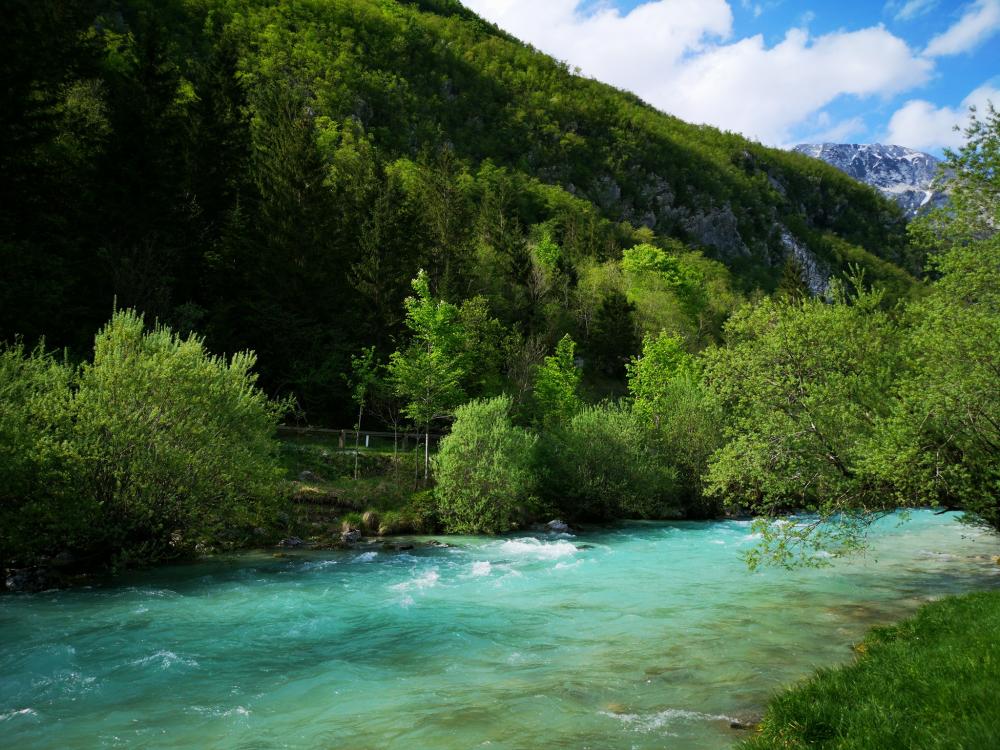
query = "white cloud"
{"x": 678, "y": 55}
{"x": 767, "y": 92}
{"x": 633, "y": 50}
{"x": 825, "y": 130}
{"x": 979, "y": 22}
{"x": 907, "y": 11}
{"x": 921, "y": 125}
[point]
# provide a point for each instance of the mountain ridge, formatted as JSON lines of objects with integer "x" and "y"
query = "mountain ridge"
{"x": 904, "y": 175}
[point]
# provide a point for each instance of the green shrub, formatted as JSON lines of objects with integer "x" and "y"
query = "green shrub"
{"x": 422, "y": 513}
{"x": 419, "y": 516}
{"x": 669, "y": 394}
{"x": 370, "y": 522}
{"x": 603, "y": 465}
{"x": 557, "y": 385}
{"x": 37, "y": 504}
{"x": 484, "y": 470}
{"x": 152, "y": 447}
{"x": 392, "y": 522}
{"x": 352, "y": 521}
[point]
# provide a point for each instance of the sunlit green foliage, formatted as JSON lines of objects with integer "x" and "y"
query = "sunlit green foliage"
{"x": 429, "y": 372}
{"x": 36, "y": 463}
{"x": 149, "y": 448}
{"x": 557, "y": 384}
{"x": 485, "y": 471}
{"x": 805, "y": 386}
{"x": 663, "y": 362}
{"x": 970, "y": 176}
{"x": 943, "y": 441}
{"x": 687, "y": 420}
{"x": 602, "y": 464}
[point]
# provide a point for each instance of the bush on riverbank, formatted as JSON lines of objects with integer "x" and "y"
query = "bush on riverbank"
{"x": 928, "y": 682}
{"x": 484, "y": 470}
{"x": 603, "y": 464}
{"x": 139, "y": 455}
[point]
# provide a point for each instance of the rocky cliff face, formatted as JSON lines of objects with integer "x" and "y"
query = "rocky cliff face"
{"x": 901, "y": 174}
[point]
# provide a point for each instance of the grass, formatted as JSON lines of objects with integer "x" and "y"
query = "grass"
{"x": 326, "y": 495}
{"x": 932, "y": 681}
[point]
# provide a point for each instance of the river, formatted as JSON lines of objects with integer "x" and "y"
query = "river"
{"x": 645, "y": 635}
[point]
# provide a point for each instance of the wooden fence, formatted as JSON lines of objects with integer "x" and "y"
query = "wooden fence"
{"x": 366, "y": 438}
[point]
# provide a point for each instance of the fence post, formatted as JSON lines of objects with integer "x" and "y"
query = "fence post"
{"x": 340, "y": 441}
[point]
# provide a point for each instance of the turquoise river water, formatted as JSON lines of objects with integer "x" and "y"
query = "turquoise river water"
{"x": 647, "y": 635}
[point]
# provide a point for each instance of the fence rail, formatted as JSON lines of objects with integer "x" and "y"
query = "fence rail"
{"x": 345, "y": 437}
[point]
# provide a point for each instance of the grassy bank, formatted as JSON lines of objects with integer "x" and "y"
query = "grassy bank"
{"x": 387, "y": 497}
{"x": 928, "y": 682}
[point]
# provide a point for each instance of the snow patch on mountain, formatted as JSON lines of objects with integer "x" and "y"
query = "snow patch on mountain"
{"x": 899, "y": 173}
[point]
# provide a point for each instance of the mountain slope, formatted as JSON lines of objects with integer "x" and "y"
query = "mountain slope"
{"x": 274, "y": 173}
{"x": 901, "y": 174}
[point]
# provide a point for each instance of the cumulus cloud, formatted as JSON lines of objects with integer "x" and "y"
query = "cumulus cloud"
{"x": 980, "y": 21}
{"x": 679, "y": 55}
{"x": 767, "y": 92}
{"x": 922, "y": 125}
{"x": 632, "y": 50}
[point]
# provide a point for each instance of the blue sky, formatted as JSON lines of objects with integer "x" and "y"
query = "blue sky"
{"x": 782, "y": 71}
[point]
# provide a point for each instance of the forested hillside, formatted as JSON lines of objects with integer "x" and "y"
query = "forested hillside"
{"x": 273, "y": 176}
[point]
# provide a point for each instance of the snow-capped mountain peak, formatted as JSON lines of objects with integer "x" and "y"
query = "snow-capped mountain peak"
{"x": 899, "y": 173}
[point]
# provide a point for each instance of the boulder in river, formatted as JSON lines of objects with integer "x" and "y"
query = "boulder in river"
{"x": 292, "y": 541}
{"x": 350, "y": 536}
{"x": 28, "y": 579}
{"x": 557, "y": 526}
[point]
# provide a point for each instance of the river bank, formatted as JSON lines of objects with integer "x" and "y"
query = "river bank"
{"x": 929, "y": 681}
